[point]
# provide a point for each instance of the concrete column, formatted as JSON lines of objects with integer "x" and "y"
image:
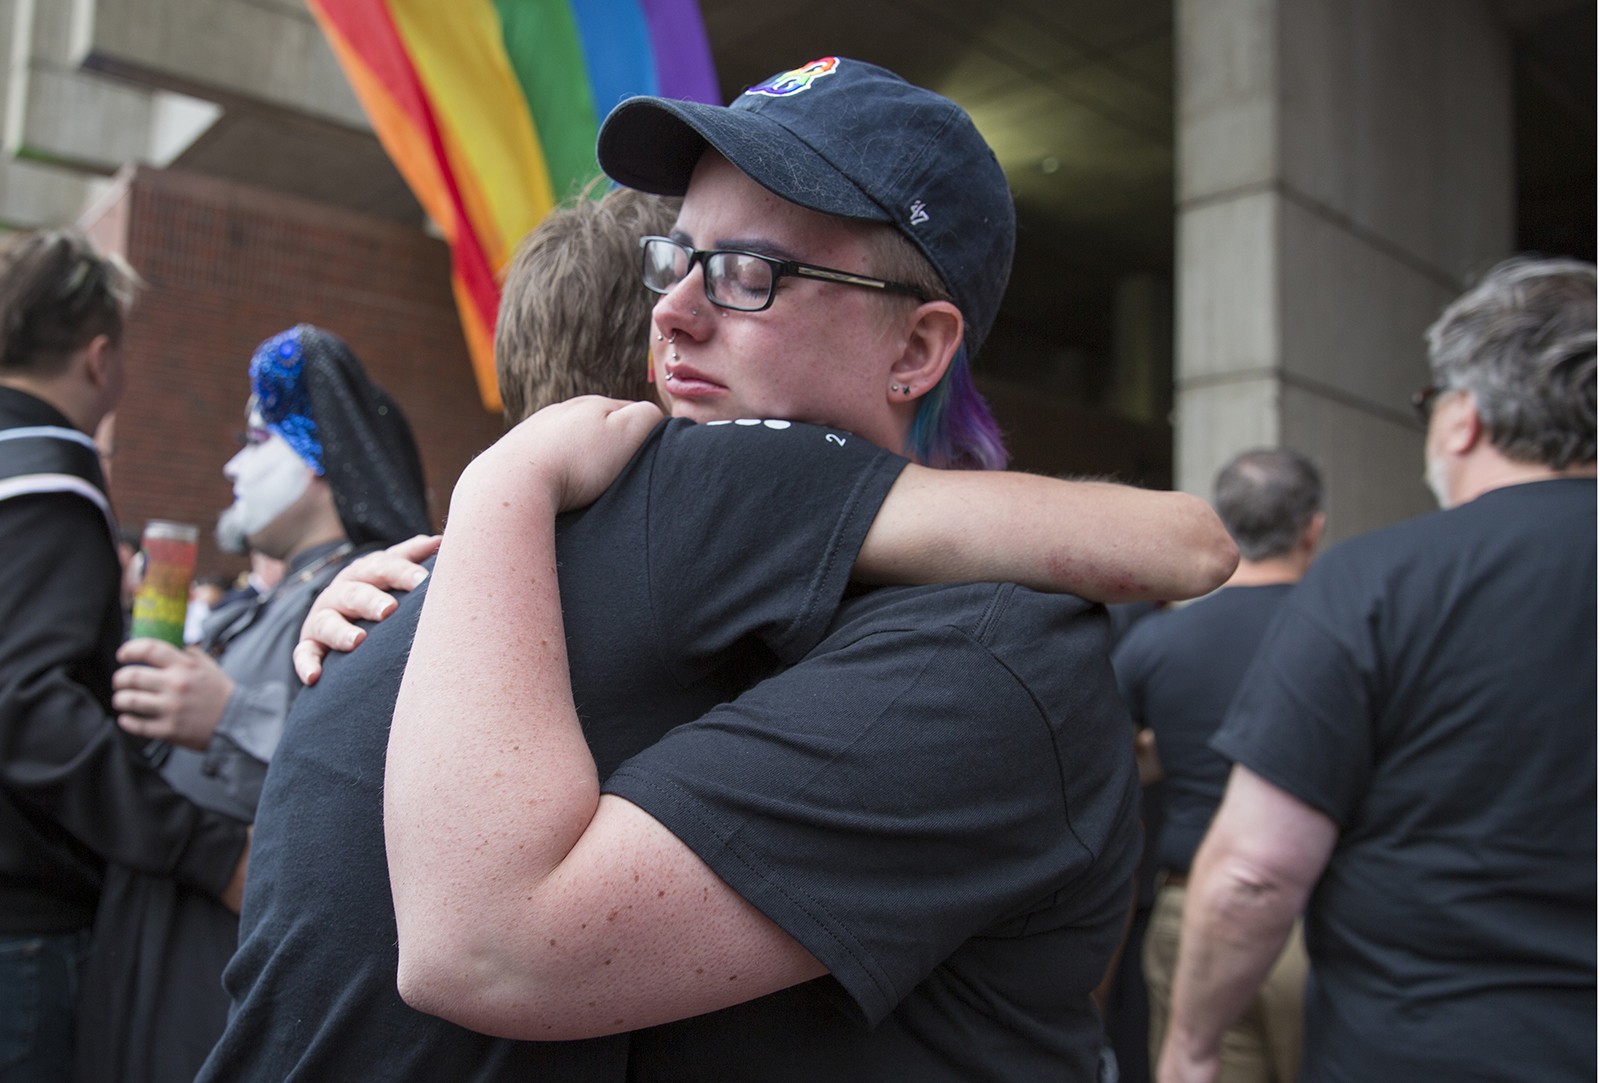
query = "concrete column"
{"x": 1344, "y": 169}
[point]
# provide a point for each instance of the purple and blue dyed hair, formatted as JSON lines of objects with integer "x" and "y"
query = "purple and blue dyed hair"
{"x": 953, "y": 429}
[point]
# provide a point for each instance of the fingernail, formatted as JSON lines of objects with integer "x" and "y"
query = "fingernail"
{"x": 418, "y": 576}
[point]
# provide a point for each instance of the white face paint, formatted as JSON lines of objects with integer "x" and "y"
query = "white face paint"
{"x": 267, "y": 478}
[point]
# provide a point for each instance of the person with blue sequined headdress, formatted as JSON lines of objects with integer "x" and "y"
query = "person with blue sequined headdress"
{"x": 329, "y": 470}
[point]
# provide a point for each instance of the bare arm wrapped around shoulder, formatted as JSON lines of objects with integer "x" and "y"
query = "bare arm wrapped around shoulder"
{"x": 1102, "y": 541}
{"x": 527, "y": 904}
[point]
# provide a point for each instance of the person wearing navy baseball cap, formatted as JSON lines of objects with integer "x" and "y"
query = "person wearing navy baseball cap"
{"x": 904, "y": 849}
{"x": 853, "y": 142}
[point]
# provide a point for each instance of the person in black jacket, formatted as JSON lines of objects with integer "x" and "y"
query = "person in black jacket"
{"x": 75, "y": 791}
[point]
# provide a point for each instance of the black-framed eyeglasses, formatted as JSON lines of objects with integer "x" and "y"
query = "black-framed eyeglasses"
{"x": 743, "y": 281}
{"x": 1423, "y": 400}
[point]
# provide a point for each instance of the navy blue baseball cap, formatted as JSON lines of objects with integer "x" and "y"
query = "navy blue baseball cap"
{"x": 851, "y": 140}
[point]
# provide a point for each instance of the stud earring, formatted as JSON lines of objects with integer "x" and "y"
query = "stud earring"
{"x": 904, "y": 389}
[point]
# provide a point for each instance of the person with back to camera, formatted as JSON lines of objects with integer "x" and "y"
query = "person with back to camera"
{"x": 906, "y": 856}
{"x": 1178, "y": 671}
{"x": 75, "y": 792}
{"x": 317, "y": 929}
{"x": 329, "y": 470}
{"x": 1413, "y": 748}
{"x": 317, "y": 932}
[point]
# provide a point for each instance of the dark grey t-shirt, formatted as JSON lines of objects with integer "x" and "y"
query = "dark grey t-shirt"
{"x": 718, "y": 555}
{"x": 1431, "y": 688}
{"x": 1178, "y": 671}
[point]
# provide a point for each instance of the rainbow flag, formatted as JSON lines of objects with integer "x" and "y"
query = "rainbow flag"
{"x": 490, "y": 109}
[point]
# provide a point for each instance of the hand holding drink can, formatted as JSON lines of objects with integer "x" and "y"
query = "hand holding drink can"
{"x": 170, "y": 551}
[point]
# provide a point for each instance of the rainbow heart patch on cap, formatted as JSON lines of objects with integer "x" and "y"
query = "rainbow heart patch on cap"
{"x": 793, "y": 82}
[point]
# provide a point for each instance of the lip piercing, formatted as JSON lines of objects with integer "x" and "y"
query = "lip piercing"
{"x": 670, "y": 341}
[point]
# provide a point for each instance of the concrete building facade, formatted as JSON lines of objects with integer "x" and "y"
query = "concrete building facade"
{"x": 1338, "y": 170}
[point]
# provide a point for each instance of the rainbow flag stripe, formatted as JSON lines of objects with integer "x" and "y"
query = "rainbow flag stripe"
{"x": 490, "y": 109}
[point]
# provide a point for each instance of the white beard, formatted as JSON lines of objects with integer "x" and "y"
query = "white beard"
{"x": 230, "y": 536}
{"x": 1434, "y": 474}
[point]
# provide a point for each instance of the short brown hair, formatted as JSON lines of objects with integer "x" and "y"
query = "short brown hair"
{"x": 56, "y": 294}
{"x": 574, "y": 315}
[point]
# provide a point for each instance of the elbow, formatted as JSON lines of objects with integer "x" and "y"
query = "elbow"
{"x": 1241, "y": 902}
{"x": 461, "y": 986}
{"x": 441, "y": 981}
{"x": 483, "y": 984}
{"x": 425, "y": 985}
{"x": 1218, "y": 564}
{"x": 1215, "y": 556}
{"x": 447, "y": 964}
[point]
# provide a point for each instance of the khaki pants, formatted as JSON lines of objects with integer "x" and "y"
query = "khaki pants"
{"x": 1264, "y": 1045}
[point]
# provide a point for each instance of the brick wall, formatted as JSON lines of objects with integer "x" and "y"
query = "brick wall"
{"x": 227, "y": 266}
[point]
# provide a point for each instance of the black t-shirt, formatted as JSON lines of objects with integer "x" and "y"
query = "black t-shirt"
{"x": 1431, "y": 688}
{"x": 720, "y": 554}
{"x": 940, "y": 803}
{"x": 1178, "y": 671}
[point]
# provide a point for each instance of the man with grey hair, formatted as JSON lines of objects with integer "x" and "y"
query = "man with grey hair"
{"x": 1178, "y": 671}
{"x": 1414, "y": 747}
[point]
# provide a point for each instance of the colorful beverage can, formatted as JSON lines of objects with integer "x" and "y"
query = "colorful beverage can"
{"x": 170, "y": 550}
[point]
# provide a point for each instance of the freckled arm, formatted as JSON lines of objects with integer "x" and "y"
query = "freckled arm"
{"x": 528, "y": 905}
{"x": 1104, "y": 542}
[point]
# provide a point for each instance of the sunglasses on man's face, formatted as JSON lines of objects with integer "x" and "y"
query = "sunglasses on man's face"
{"x": 1423, "y": 401}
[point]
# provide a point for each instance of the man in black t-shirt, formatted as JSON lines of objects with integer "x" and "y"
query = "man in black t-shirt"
{"x": 1178, "y": 671}
{"x": 1414, "y": 746}
{"x": 314, "y": 978}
